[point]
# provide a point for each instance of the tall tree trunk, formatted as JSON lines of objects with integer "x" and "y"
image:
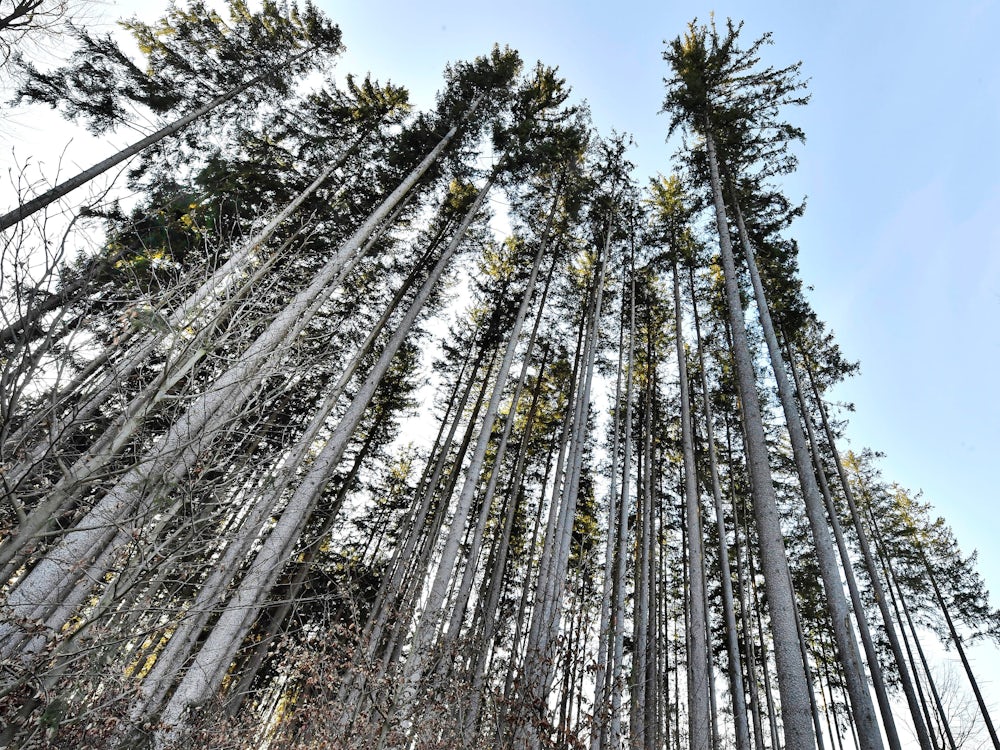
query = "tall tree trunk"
{"x": 430, "y": 619}
{"x": 475, "y": 468}
{"x": 925, "y": 711}
{"x": 209, "y": 597}
{"x": 957, "y": 640}
{"x": 599, "y": 733}
{"x": 889, "y": 627}
{"x": 208, "y": 669}
{"x": 545, "y": 618}
{"x": 617, "y": 684}
{"x": 860, "y": 615}
{"x": 192, "y": 432}
{"x": 487, "y": 614}
{"x": 792, "y": 686}
{"x": 741, "y": 724}
{"x": 697, "y": 675}
{"x": 826, "y": 556}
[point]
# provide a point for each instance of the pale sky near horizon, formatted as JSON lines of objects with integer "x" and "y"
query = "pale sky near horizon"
{"x": 901, "y": 167}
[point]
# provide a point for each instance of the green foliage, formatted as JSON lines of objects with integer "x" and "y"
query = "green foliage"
{"x": 191, "y": 55}
{"x": 717, "y": 86}
{"x": 915, "y": 546}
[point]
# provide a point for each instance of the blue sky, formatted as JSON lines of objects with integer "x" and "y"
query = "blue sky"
{"x": 900, "y": 240}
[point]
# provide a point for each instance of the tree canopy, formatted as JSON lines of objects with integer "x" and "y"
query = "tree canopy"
{"x": 300, "y": 450}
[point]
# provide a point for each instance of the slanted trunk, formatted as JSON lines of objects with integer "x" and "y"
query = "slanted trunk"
{"x": 460, "y": 601}
{"x": 487, "y": 614}
{"x": 430, "y": 618}
{"x": 860, "y": 615}
{"x": 847, "y": 645}
{"x": 792, "y": 686}
{"x": 873, "y": 575}
{"x": 957, "y": 640}
{"x": 208, "y": 669}
{"x": 28, "y": 208}
{"x": 193, "y": 431}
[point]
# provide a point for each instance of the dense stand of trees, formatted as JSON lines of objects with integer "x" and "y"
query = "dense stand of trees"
{"x": 304, "y": 455}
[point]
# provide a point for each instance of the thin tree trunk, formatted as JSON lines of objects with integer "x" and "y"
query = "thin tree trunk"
{"x": 699, "y": 709}
{"x": 741, "y": 724}
{"x": 276, "y": 621}
{"x": 552, "y": 568}
{"x": 27, "y": 208}
{"x": 431, "y": 615}
{"x": 182, "y": 444}
{"x": 912, "y": 701}
{"x": 498, "y": 564}
{"x": 208, "y": 669}
{"x": 640, "y": 656}
{"x": 460, "y": 602}
{"x": 957, "y": 640}
{"x": 811, "y": 678}
{"x": 889, "y": 581}
{"x": 860, "y": 615}
{"x": 623, "y": 533}
{"x": 599, "y": 733}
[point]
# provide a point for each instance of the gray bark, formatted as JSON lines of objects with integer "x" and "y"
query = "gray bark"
{"x": 737, "y": 690}
{"x": 957, "y": 640}
{"x": 847, "y": 645}
{"x": 905, "y": 678}
{"x": 599, "y": 733}
{"x": 460, "y": 601}
{"x": 792, "y": 686}
{"x": 699, "y": 709}
{"x": 861, "y": 617}
{"x": 205, "y": 674}
{"x": 192, "y": 432}
{"x": 617, "y": 664}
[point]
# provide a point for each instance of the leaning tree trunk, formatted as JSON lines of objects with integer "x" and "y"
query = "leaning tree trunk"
{"x": 390, "y": 592}
{"x": 50, "y": 196}
{"x": 905, "y": 679}
{"x": 210, "y": 594}
{"x": 102, "y": 451}
{"x": 172, "y": 457}
{"x": 208, "y": 669}
{"x": 826, "y": 556}
{"x": 904, "y": 620}
{"x": 487, "y": 615}
{"x": 881, "y": 692}
{"x": 957, "y": 640}
{"x": 429, "y": 619}
{"x": 460, "y": 600}
{"x": 792, "y": 684}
